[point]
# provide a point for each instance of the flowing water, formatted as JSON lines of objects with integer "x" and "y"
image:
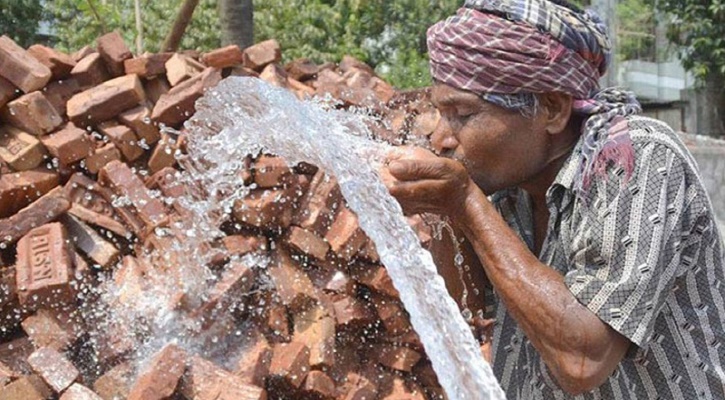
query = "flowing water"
{"x": 244, "y": 116}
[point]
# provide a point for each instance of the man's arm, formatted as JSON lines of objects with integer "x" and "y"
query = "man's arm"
{"x": 580, "y": 350}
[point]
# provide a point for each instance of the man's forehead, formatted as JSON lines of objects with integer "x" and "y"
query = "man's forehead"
{"x": 443, "y": 95}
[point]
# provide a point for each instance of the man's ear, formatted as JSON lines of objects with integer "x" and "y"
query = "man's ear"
{"x": 556, "y": 109}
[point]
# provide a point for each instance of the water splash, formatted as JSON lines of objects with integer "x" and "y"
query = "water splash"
{"x": 247, "y": 116}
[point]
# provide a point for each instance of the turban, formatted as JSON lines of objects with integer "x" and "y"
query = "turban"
{"x": 507, "y": 50}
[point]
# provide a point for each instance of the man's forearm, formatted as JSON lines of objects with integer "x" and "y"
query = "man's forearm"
{"x": 573, "y": 342}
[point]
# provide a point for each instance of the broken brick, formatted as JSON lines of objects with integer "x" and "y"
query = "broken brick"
{"x": 375, "y": 277}
{"x": 98, "y": 249}
{"x": 123, "y": 138}
{"x": 225, "y": 57}
{"x": 180, "y": 68}
{"x": 60, "y": 64}
{"x": 32, "y": 113}
{"x": 319, "y": 204}
{"x": 177, "y": 105}
{"x": 106, "y": 100}
{"x": 59, "y": 92}
{"x": 236, "y": 280}
{"x": 302, "y": 69}
{"x": 266, "y": 209}
{"x": 315, "y": 327}
{"x": 392, "y": 314}
{"x": 90, "y": 205}
{"x": 147, "y": 65}
{"x": 19, "y": 149}
{"x": 307, "y": 242}
{"x": 79, "y": 392}
{"x": 294, "y": 287}
{"x": 290, "y": 364}
{"x": 21, "y": 68}
{"x": 206, "y": 381}
{"x": 115, "y": 383}
{"x": 345, "y": 236}
{"x": 54, "y": 368}
{"x": 155, "y": 88}
{"x": 352, "y": 313}
{"x": 161, "y": 376}
{"x": 45, "y": 330}
{"x": 139, "y": 119}
{"x": 7, "y": 91}
{"x": 253, "y": 365}
{"x": 164, "y": 153}
{"x": 259, "y": 55}
{"x": 19, "y": 189}
{"x": 319, "y": 386}
{"x": 28, "y": 387}
{"x": 398, "y": 357}
{"x": 90, "y": 71}
{"x": 69, "y": 144}
{"x": 101, "y": 156}
{"x": 114, "y": 51}
{"x": 41, "y": 211}
{"x": 270, "y": 172}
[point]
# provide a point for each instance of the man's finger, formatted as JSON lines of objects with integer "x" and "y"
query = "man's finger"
{"x": 408, "y": 170}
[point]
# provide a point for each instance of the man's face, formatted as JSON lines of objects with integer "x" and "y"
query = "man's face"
{"x": 500, "y": 148}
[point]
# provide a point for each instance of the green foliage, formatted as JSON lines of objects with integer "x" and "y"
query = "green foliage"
{"x": 389, "y": 35}
{"x": 635, "y": 36}
{"x": 698, "y": 26}
{"x": 78, "y": 23}
{"x": 19, "y": 20}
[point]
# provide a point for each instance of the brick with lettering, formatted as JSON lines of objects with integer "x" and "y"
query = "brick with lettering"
{"x": 32, "y": 113}
{"x": 44, "y": 269}
{"x": 114, "y": 51}
{"x": 21, "y": 68}
{"x": 19, "y": 149}
{"x": 69, "y": 144}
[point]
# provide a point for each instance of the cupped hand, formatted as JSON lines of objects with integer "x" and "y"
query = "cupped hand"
{"x": 424, "y": 182}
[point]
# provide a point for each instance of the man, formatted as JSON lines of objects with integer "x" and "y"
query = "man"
{"x": 598, "y": 237}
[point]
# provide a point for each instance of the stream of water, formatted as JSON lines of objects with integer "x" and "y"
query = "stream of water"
{"x": 247, "y": 116}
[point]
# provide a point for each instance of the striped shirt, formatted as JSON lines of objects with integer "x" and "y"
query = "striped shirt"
{"x": 643, "y": 254}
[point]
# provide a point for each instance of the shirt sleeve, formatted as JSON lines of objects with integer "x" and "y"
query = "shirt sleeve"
{"x": 631, "y": 242}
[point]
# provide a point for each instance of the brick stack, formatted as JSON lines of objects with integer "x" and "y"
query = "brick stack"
{"x": 79, "y": 132}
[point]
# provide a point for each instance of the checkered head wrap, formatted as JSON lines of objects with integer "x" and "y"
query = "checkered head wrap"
{"x": 507, "y": 50}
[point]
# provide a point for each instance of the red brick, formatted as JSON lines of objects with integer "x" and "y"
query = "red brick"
{"x": 123, "y": 138}
{"x": 69, "y": 144}
{"x": 19, "y": 149}
{"x": 45, "y": 330}
{"x": 181, "y": 67}
{"x": 106, "y": 100}
{"x": 294, "y": 287}
{"x": 352, "y": 313}
{"x": 122, "y": 180}
{"x": 278, "y": 323}
{"x": 307, "y": 242}
{"x": 392, "y": 314}
{"x": 147, "y": 65}
{"x": 402, "y": 390}
{"x": 162, "y": 375}
{"x": 205, "y": 381}
{"x": 274, "y": 75}
{"x": 301, "y": 90}
{"x": 290, "y": 364}
{"x": 315, "y": 327}
{"x": 11, "y": 312}
{"x": 6, "y": 375}
{"x": 114, "y": 51}
{"x": 359, "y": 388}
{"x": 59, "y": 92}
{"x": 54, "y": 368}
{"x": 44, "y": 267}
{"x": 79, "y": 392}
{"x": 139, "y": 119}
{"x": 90, "y": 205}
{"x": 319, "y": 386}
{"x": 164, "y": 153}
{"x": 32, "y": 113}
{"x": 7, "y": 91}
{"x": 258, "y": 56}
{"x": 90, "y": 243}
{"x": 302, "y": 69}
{"x": 44, "y": 210}
{"x": 369, "y": 252}
{"x": 349, "y": 63}
{"x": 253, "y": 365}
{"x": 319, "y": 204}
{"x": 177, "y": 105}
{"x": 156, "y": 87}
{"x": 345, "y": 236}
{"x": 398, "y": 358}
{"x": 60, "y": 64}
{"x": 266, "y": 209}
{"x": 236, "y": 280}
{"x": 375, "y": 277}
{"x": 83, "y": 52}
{"x": 332, "y": 280}
{"x": 100, "y": 156}
{"x": 28, "y": 387}
{"x": 20, "y": 68}
{"x": 270, "y": 172}
{"x": 90, "y": 71}
{"x": 238, "y": 245}
{"x": 115, "y": 383}
{"x": 19, "y": 189}
{"x": 225, "y": 57}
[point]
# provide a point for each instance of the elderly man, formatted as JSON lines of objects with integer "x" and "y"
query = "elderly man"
{"x": 591, "y": 223}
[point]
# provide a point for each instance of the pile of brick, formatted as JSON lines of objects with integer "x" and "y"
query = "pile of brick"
{"x": 80, "y": 131}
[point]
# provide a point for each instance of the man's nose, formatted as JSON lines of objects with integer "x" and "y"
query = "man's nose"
{"x": 442, "y": 138}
